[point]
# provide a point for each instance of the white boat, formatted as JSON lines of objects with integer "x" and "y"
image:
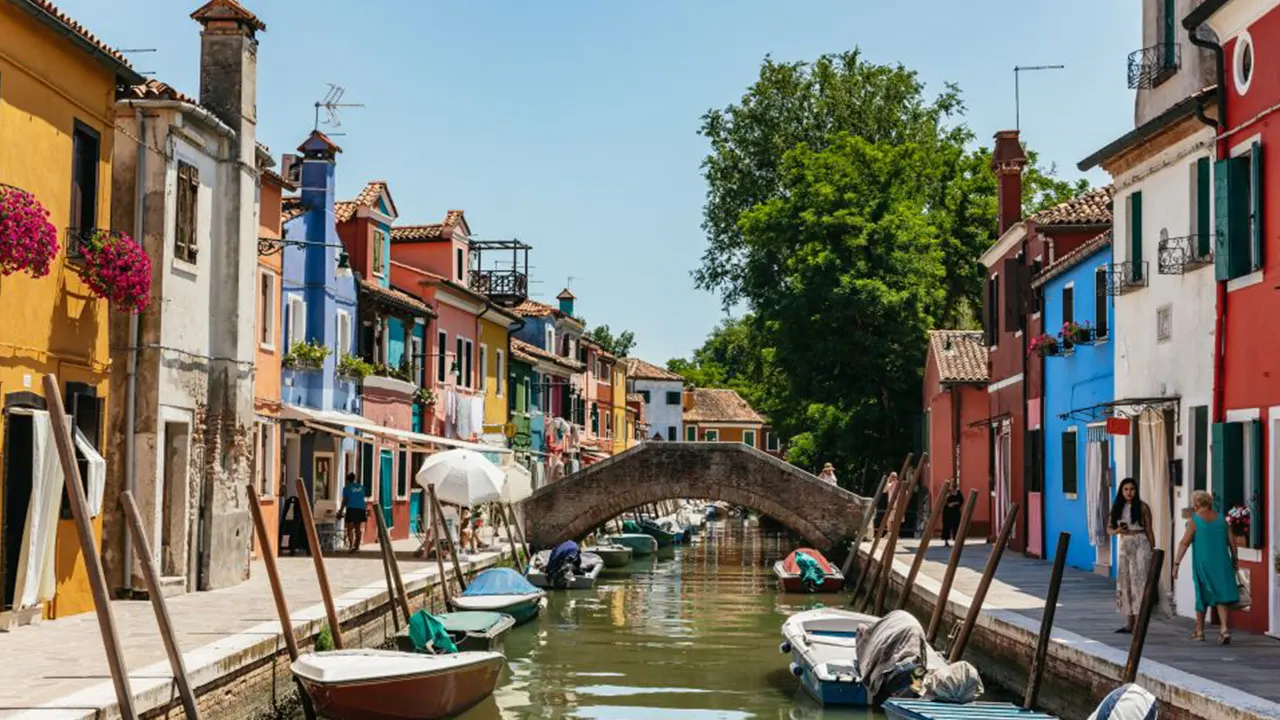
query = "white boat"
{"x": 592, "y": 565}
{"x": 501, "y": 590}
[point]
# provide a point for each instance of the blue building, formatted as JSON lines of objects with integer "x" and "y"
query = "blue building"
{"x": 1079, "y": 380}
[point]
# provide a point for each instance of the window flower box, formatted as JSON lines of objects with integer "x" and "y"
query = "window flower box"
{"x": 1045, "y": 346}
{"x": 305, "y": 356}
{"x": 28, "y": 241}
{"x": 1076, "y": 333}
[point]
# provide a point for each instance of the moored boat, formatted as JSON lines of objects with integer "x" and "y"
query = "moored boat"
{"x": 808, "y": 571}
{"x": 664, "y": 537}
{"x": 613, "y": 555}
{"x": 501, "y": 590}
{"x": 389, "y": 685}
{"x": 584, "y": 578}
{"x": 467, "y": 630}
{"x": 641, "y": 545}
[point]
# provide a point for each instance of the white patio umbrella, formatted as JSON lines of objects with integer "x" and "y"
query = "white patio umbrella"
{"x": 519, "y": 483}
{"x": 462, "y": 477}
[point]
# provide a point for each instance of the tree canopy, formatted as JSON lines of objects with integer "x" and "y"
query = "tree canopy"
{"x": 619, "y": 345}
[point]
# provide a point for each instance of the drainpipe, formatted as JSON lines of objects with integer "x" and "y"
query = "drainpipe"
{"x": 1220, "y": 315}
{"x": 131, "y": 368}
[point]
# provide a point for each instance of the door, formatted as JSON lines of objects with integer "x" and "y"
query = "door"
{"x": 386, "y": 483}
{"x": 173, "y": 511}
{"x": 1274, "y": 415}
{"x": 1004, "y": 464}
{"x": 18, "y": 466}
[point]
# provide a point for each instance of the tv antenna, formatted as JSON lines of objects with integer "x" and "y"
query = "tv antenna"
{"x": 568, "y": 282}
{"x": 1017, "y": 95}
{"x": 330, "y": 104}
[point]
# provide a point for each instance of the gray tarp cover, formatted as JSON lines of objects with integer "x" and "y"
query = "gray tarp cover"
{"x": 895, "y": 639}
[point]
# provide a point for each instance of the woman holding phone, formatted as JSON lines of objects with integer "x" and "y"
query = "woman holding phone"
{"x": 1131, "y": 523}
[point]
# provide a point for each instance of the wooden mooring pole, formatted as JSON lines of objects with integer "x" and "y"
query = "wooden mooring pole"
{"x": 440, "y": 531}
{"x": 515, "y": 521}
{"x": 511, "y": 539}
{"x": 1149, "y": 595}
{"x": 899, "y": 509}
{"x": 865, "y": 572}
{"x": 152, "y": 577}
{"x": 317, "y": 557}
{"x": 88, "y": 547}
{"x": 935, "y": 622}
{"x": 925, "y": 539}
{"x": 867, "y": 520}
{"x": 1046, "y": 622}
{"x": 395, "y": 582}
{"x": 962, "y": 640}
{"x": 453, "y": 551}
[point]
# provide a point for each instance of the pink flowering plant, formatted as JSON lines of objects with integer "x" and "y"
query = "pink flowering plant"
{"x": 1238, "y": 519}
{"x": 1043, "y": 345}
{"x": 28, "y": 241}
{"x": 117, "y": 269}
{"x": 1076, "y": 333}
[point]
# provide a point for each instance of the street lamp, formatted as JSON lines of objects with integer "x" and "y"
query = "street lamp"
{"x": 271, "y": 246}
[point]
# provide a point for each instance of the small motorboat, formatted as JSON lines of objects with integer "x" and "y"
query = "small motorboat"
{"x": 665, "y": 537}
{"x": 713, "y": 512}
{"x": 390, "y": 685}
{"x": 808, "y": 571}
{"x": 467, "y": 630}
{"x": 613, "y": 555}
{"x": 565, "y": 568}
{"x": 501, "y": 590}
{"x": 641, "y": 545}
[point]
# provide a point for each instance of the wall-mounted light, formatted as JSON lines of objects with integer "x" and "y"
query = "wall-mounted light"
{"x": 271, "y": 246}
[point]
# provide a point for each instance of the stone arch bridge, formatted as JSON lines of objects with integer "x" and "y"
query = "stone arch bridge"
{"x": 826, "y": 516}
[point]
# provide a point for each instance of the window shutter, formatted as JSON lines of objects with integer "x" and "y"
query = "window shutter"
{"x": 1228, "y": 456}
{"x": 1068, "y": 304}
{"x": 1200, "y": 443}
{"x": 1170, "y": 56}
{"x": 1239, "y": 243}
{"x": 1204, "y": 223}
{"x": 1255, "y": 228}
{"x": 1135, "y": 235}
{"x": 192, "y": 198}
{"x": 180, "y": 235}
{"x": 1253, "y": 501}
{"x": 992, "y": 316}
{"x": 1100, "y": 302}
{"x": 1222, "y": 220}
{"x": 1069, "y": 484}
{"x": 1011, "y": 301}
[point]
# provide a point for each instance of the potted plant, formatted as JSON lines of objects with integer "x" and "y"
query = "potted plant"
{"x": 424, "y": 396}
{"x": 117, "y": 269}
{"x": 28, "y": 241}
{"x": 1076, "y": 333}
{"x": 353, "y": 366}
{"x": 1043, "y": 345}
{"x": 305, "y": 356}
{"x": 1238, "y": 519}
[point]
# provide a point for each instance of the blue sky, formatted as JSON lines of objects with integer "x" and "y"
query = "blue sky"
{"x": 572, "y": 124}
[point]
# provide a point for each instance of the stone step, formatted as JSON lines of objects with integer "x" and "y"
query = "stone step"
{"x": 171, "y": 585}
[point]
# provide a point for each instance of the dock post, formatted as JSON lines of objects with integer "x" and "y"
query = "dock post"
{"x": 862, "y": 531}
{"x": 92, "y": 559}
{"x": 395, "y": 582}
{"x": 962, "y": 640}
{"x": 1149, "y": 595}
{"x": 935, "y": 622}
{"x": 515, "y": 521}
{"x": 1046, "y": 622}
{"x": 885, "y": 575}
{"x": 515, "y": 549}
{"x": 865, "y": 571}
{"x": 152, "y": 577}
{"x": 317, "y": 556}
{"x": 925, "y": 540}
{"x": 453, "y": 551}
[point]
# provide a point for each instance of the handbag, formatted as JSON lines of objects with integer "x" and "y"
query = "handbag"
{"x": 1242, "y": 586}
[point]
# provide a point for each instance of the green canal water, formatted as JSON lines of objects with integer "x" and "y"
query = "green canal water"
{"x": 692, "y": 635}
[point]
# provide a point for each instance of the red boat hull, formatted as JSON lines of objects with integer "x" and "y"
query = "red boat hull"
{"x": 793, "y": 584}
{"x": 411, "y": 697}
{"x": 788, "y": 573}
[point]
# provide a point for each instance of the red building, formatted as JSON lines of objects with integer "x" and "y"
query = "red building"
{"x": 956, "y": 408}
{"x": 1246, "y": 398}
{"x": 1011, "y": 317}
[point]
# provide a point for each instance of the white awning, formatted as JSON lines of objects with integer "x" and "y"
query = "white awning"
{"x": 340, "y": 419}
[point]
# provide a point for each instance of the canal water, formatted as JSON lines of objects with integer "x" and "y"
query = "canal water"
{"x": 690, "y": 635}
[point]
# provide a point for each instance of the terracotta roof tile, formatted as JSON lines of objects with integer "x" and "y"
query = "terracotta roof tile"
{"x": 317, "y": 137}
{"x": 227, "y": 10}
{"x": 343, "y": 210}
{"x": 416, "y": 233}
{"x": 641, "y": 370}
{"x": 55, "y": 15}
{"x": 290, "y": 208}
{"x": 712, "y": 405}
{"x": 533, "y": 308}
{"x": 538, "y": 353}
{"x": 278, "y": 179}
{"x": 1089, "y": 208}
{"x": 395, "y": 297}
{"x": 635, "y": 397}
{"x": 961, "y": 355}
{"x": 1069, "y": 260}
{"x": 156, "y": 90}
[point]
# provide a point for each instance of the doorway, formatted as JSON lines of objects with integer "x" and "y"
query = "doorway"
{"x": 1004, "y": 465}
{"x": 175, "y": 500}
{"x": 1274, "y": 584}
{"x": 386, "y": 481}
{"x": 18, "y": 465}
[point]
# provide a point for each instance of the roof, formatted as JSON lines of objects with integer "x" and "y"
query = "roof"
{"x": 535, "y": 354}
{"x": 278, "y": 179}
{"x": 711, "y": 405}
{"x": 49, "y": 14}
{"x": 290, "y": 208}
{"x": 318, "y": 141}
{"x": 1092, "y": 207}
{"x": 1176, "y": 113}
{"x": 565, "y": 294}
{"x": 640, "y": 370}
{"x": 429, "y": 231}
{"x": 1069, "y": 260}
{"x": 228, "y": 10}
{"x": 961, "y": 355}
{"x": 344, "y": 210}
{"x": 391, "y": 296}
{"x": 635, "y": 398}
{"x": 533, "y": 308}
{"x": 156, "y": 90}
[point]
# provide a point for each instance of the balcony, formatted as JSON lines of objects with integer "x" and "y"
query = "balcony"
{"x": 1151, "y": 66}
{"x": 1182, "y": 254}
{"x": 1125, "y": 277}
{"x": 504, "y": 281}
{"x": 506, "y": 287}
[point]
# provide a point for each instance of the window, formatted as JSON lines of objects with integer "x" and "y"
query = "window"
{"x": 484, "y": 367}
{"x": 1238, "y": 205}
{"x": 457, "y": 360}
{"x": 457, "y": 254}
{"x": 1237, "y": 471}
{"x": 711, "y": 436}
{"x": 467, "y": 365}
{"x": 1070, "y": 483}
{"x": 1200, "y": 447}
{"x": 673, "y": 397}
{"x": 528, "y": 395}
{"x": 185, "y": 247}
{"x": 442, "y": 355}
{"x": 671, "y": 434}
{"x": 499, "y": 372}
{"x": 1202, "y": 186}
{"x": 1242, "y": 63}
{"x": 993, "y": 310}
{"x": 690, "y": 433}
{"x": 771, "y": 442}
{"x": 84, "y": 176}
{"x": 1168, "y": 35}
{"x": 1100, "y": 328}
{"x": 402, "y": 476}
{"x": 415, "y": 359}
{"x": 1036, "y": 441}
{"x": 749, "y": 437}
{"x": 595, "y": 419}
{"x": 343, "y": 333}
{"x": 1134, "y": 202}
{"x": 551, "y": 340}
{"x": 645, "y": 394}
{"x": 1068, "y": 304}
{"x": 1164, "y": 323}
{"x": 379, "y": 251}
{"x": 267, "y": 310}
{"x": 264, "y": 457}
{"x": 608, "y": 425}
{"x": 296, "y": 320}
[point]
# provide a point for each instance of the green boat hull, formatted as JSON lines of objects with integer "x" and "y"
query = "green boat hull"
{"x": 641, "y": 544}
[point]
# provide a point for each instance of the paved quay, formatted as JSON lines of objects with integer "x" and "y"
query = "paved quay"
{"x": 57, "y": 670}
{"x": 1198, "y": 679}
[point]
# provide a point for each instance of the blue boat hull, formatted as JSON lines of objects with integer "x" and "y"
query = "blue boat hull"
{"x": 848, "y": 694}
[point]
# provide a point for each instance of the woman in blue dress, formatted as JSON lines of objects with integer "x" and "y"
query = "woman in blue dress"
{"x": 1213, "y": 564}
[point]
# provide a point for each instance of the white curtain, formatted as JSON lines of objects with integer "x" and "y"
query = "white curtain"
{"x": 1095, "y": 490}
{"x": 36, "y": 581}
{"x": 1154, "y": 483}
{"x": 96, "y": 479}
{"x": 1003, "y": 448}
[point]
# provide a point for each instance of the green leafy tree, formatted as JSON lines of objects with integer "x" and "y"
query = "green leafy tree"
{"x": 620, "y": 345}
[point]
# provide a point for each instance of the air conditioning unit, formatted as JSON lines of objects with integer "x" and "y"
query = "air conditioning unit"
{"x": 291, "y": 168}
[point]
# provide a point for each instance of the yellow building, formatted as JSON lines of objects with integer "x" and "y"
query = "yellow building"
{"x": 56, "y": 133}
{"x": 624, "y": 435}
{"x": 495, "y": 368}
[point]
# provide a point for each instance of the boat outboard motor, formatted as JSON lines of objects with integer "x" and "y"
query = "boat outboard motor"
{"x": 564, "y": 563}
{"x": 1127, "y": 702}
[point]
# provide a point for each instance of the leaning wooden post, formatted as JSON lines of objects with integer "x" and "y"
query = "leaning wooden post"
{"x": 935, "y": 622}
{"x": 511, "y": 539}
{"x": 900, "y": 514}
{"x": 962, "y": 640}
{"x": 437, "y": 522}
{"x": 925, "y": 540}
{"x": 395, "y": 583}
{"x": 92, "y": 560}
{"x": 317, "y": 557}
{"x": 1046, "y": 622}
{"x": 152, "y": 577}
{"x": 453, "y": 551}
{"x": 889, "y": 529}
{"x": 1149, "y": 595}
{"x": 511, "y": 516}
{"x": 864, "y": 573}
{"x": 869, "y": 518}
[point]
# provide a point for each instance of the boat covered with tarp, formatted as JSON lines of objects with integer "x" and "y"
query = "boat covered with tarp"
{"x": 614, "y": 555}
{"x": 467, "y": 630}
{"x": 565, "y": 567}
{"x": 664, "y": 536}
{"x": 501, "y": 590}
{"x": 807, "y": 571}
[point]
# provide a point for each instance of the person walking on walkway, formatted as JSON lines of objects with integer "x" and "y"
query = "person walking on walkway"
{"x": 1212, "y": 565}
{"x": 890, "y": 490}
{"x": 828, "y": 474}
{"x": 1131, "y": 523}
{"x": 952, "y": 501}
{"x": 354, "y": 512}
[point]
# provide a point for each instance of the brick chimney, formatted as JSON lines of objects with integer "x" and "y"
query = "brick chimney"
{"x": 1008, "y": 160}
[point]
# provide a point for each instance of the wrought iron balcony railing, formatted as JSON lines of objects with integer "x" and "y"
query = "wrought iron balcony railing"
{"x": 1151, "y": 66}
{"x": 506, "y": 285}
{"x": 1125, "y": 277}
{"x": 1181, "y": 254}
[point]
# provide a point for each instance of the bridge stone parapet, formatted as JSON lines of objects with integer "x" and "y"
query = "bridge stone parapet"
{"x": 822, "y": 514}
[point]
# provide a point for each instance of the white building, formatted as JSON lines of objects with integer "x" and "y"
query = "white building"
{"x": 1163, "y": 279}
{"x": 663, "y": 393}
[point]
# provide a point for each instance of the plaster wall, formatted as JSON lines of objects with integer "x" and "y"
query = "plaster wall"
{"x": 660, "y": 416}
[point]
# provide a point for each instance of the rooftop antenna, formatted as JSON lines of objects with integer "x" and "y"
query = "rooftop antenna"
{"x": 330, "y": 104}
{"x": 140, "y": 50}
{"x": 1017, "y": 99}
{"x": 568, "y": 284}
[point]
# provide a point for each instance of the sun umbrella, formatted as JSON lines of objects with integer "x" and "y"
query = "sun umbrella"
{"x": 519, "y": 483}
{"x": 462, "y": 477}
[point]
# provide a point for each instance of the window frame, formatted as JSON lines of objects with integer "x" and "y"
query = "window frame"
{"x": 378, "y": 259}
{"x": 484, "y": 368}
{"x": 1070, "y": 482}
{"x": 752, "y": 434}
{"x": 678, "y": 397}
{"x": 268, "y": 291}
{"x": 672, "y": 433}
{"x": 342, "y": 327}
{"x": 415, "y": 357}
{"x": 84, "y": 205}
{"x": 297, "y": 320}
{"x": 469, "y": 365}
{"x": 459, "y": 258}
{"x": 1101, "y": 314}
{"x": 1068, "y": 303}
{"x": 264, "y": 455}
{"x": 690, "y": 433}
{"x": 647, "y": 395}
{"x": 993, "y": 311}
{"x": 711, "y": 435}
{"x": 771, "y": 442}
{"x": 187, "y": 219}
{"x": 499, "y": 371}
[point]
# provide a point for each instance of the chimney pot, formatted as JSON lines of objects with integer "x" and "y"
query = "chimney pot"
{"x": 1008, "y": 161}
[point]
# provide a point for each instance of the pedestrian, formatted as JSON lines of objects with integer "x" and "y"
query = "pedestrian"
{"x": 354, "y": 512}
{"x": 1131, "y": 523}
{"x": 952, "y": 501}
{"x": 466, "y": 532}
{"x": 890, "y": 490}
{"x": 828, "y": 474}
{"x": 1213, "y": 565}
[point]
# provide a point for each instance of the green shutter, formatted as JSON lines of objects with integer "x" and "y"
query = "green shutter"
{"x": 1255, "y": 184}
{"x": 1228, "y": 464}
{"x": 1200, "y": 443}
{"x": 1204, "y": 223}
{"x": 1170, "y": 33}
{"x": 1222, "y": 220}
{"x": 1135, "y": 234}
{"x": 1253, "y": 501}
{"x": 1238, "y": 216}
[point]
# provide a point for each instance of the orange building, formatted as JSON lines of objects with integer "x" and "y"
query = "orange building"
{"x": 721, "y": 415}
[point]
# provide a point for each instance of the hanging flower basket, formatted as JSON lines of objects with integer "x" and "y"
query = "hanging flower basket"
{"x": 28, "y": 241}
{"x": 117, "y": 269}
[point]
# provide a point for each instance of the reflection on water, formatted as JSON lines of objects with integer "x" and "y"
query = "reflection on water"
{"x": 691, "y": 635}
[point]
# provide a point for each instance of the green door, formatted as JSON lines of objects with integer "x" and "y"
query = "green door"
{"x": 386, "y": 480}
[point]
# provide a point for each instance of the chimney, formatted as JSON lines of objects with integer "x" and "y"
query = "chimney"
{"x": 317, "y": 190}
{"x": 1008, "y": 160}
{"x": 229, "y": 63}
{"x": 566, "y": 299}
